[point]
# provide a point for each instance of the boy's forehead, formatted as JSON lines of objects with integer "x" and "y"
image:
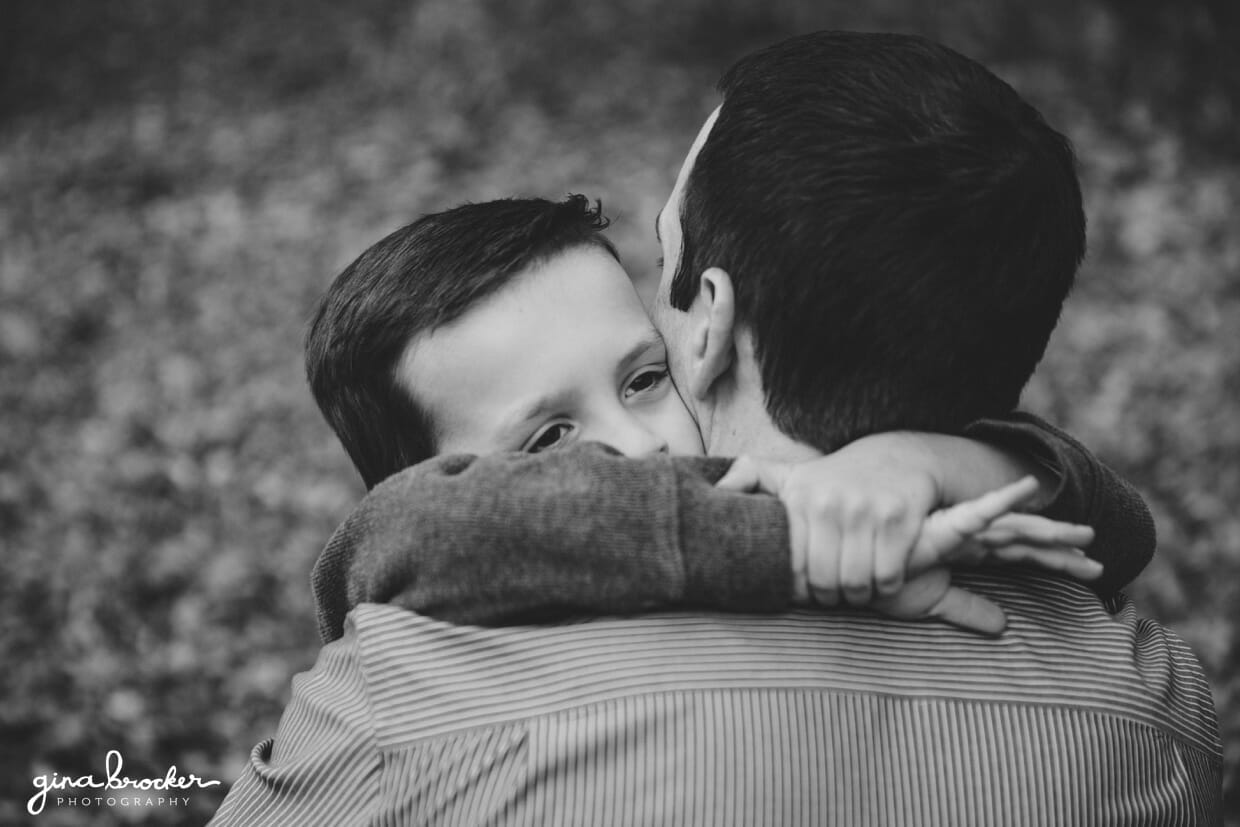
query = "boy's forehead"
{"x": 562, "y": 326}
{"x": 581, "y": 293}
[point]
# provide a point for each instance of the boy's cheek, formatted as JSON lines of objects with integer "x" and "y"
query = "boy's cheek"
{"x": 686, "y": 440}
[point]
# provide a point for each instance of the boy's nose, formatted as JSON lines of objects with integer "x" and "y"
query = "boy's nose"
{"x": 636, "y": 440}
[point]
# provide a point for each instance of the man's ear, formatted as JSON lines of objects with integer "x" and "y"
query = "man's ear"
{"x": 713, "y": 319}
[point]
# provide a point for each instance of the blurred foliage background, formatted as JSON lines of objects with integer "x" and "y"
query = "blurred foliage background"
{"x": 179, "y": 181}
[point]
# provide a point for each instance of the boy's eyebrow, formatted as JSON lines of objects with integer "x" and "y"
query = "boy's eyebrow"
{"x": 650, "y": 340}
{"x": 657, "y": 218}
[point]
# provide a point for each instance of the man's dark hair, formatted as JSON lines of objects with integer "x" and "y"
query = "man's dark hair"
{"x": 900, "y": 226}
{"x": 419, "y": 278}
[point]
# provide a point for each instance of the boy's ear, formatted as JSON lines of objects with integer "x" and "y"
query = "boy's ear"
{"x": 712, "y": 319}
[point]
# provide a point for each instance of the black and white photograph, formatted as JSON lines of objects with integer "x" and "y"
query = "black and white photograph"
{"x": 620, "y": 412}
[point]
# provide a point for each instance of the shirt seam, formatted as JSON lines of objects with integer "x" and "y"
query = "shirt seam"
{"x": 1212, "y": 752}
{"x": 371, "y": 716}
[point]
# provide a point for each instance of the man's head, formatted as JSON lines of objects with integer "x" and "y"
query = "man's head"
{"x": 507, "y": 325}
{"x": 892, "y": 231}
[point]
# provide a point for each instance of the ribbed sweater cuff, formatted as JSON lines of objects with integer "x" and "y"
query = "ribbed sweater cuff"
{"x": 735, "y": 546}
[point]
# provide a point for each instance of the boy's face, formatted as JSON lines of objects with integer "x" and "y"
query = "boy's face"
{"x": 565, "y": 352}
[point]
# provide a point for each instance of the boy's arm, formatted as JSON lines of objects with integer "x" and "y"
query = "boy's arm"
{"x": 506, "y": 538}
{"x": 517, "y": 537}
{"x": 1074, "y": 486}
{"x": 1081, "y": 490}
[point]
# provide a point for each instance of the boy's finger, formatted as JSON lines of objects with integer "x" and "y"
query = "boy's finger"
{"x": 1070, "y": 561}
{"x": 970, "y": 611}
{"x": 937, "y": 542}
{"x": 798, "y": 539}
{"x": 823, "y": 548}
{"x": 972, "y": 516}
{"x": 857, "y": 554}
{"x": 893, "y": 550}
{"x": 1031, "y": 528}
{"x": 749, "y": 474}
{"x": 742, "y": 476}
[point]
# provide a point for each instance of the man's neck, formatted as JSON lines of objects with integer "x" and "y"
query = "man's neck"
{"x": 746, "y": 429}
{"x": 773, "y": 445}
{"x": 734, "y": 419}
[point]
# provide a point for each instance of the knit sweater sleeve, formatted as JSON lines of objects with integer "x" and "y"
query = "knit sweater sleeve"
{"x": 513, "y": 537}
{"x": 1087, "y": 492}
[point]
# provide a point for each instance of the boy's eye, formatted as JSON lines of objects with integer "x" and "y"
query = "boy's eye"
{"x": 548, "y": 437}
{"x": 646, "y": 380}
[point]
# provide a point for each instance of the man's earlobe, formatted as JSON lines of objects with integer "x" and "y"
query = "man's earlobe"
{"x": 713, "y": 317}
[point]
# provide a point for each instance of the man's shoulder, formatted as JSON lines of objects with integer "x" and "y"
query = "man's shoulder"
{"x": 1063, "y": 649}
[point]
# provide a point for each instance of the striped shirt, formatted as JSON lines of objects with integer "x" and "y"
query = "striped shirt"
{"x": 1076, "y": 716}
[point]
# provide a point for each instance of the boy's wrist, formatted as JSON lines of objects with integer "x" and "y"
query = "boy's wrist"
{"x": 914, "y": 452}
{"x": 1040, "y": 450}
{"x": 735, "y": 546}
{"x": 962, "y": 468}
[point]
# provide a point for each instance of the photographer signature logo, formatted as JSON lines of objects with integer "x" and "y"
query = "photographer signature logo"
{"x": 171, "y": 781}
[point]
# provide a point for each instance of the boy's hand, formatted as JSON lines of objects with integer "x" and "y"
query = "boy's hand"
{"x": 852, "y": 520}
{"x": 879, "y": 515}
{"x": 986, "y": 530}
{"x": 975, "y": 532}
{"x": 932, "y": 595}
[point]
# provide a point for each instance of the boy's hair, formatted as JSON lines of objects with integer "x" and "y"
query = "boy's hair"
{"x": 417, "y": 279}
{"x": 901, "y": 229}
